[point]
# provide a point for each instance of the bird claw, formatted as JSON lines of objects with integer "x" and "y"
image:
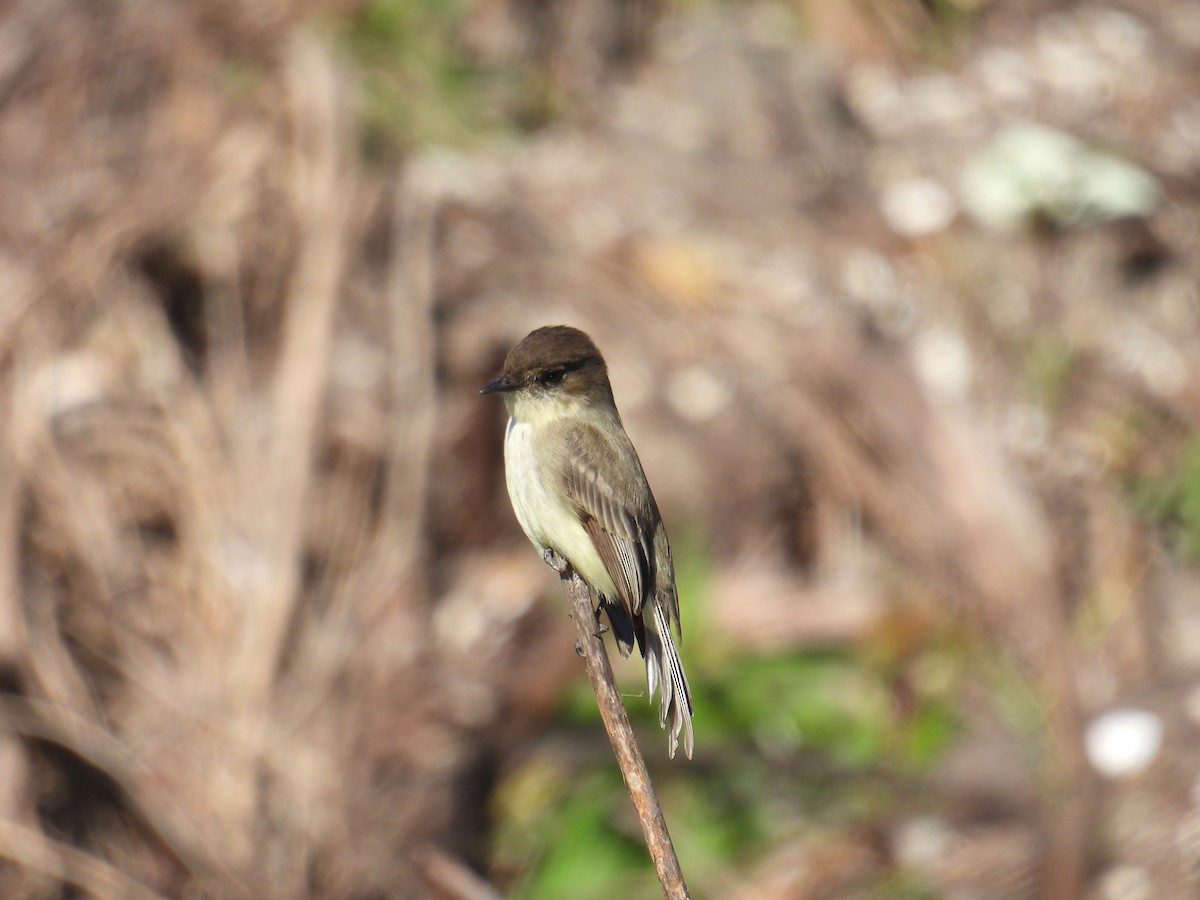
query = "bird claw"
{"x": 552, "y": 558}
{"x": 601, "y": 630}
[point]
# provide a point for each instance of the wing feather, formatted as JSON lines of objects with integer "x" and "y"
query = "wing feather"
{"x": 621, "y": 539}
{"x": 624, "y": 532}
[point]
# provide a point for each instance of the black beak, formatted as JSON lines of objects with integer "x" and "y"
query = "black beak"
{"x": 499, "y": 385}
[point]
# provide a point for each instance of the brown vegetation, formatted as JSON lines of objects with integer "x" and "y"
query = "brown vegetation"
{"x": 266, "y": 626}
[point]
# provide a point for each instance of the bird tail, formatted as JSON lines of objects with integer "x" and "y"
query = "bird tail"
{"x": 664, "y": 671}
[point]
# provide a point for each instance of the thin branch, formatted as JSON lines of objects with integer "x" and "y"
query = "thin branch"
{"x": 93, "y": 745}
{"x": 620, "y": 732}
{"x": 69, "y": 865}
{"x": 452, "y": 878}
{"x": 320, "y": 187}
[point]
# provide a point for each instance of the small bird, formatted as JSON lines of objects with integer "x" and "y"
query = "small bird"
{"x": 577, "y": 487}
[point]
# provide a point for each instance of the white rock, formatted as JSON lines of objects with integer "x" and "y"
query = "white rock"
{"x": 1027, "y": 171}
{"x": 1123, "y": 741}
{"x": 917, "y": 206}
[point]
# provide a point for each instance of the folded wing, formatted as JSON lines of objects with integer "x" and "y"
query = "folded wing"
{"x": 621, "y": 521}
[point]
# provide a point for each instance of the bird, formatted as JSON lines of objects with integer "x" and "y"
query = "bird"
{"x": 578, "y": 489}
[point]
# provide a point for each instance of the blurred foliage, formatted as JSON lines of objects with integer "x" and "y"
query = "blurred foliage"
{"x": 573, "y": 825}
{"x": 949, "y": 24}
{"x": 897, "y": 885}
{"x": 421, "y": 84}
{"x": 1047, "y": 365}
{"x": 1031, "y": 174}
{"x": 1172, "y": 500}
{"x": 418, "y": 84}
{"x": 241, "y": 77}
{"x": 786, "y": 742}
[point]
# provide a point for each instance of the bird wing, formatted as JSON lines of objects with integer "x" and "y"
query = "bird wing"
{"x": 616, "y": 511}
{"x": 613, "y": 524}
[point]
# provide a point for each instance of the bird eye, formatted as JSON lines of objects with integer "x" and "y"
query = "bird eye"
{"x": 554, "y": 376}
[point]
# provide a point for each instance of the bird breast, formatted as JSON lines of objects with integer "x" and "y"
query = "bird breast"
{"x": 546, "y": 514}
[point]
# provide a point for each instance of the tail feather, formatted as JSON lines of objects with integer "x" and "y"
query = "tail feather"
{"x": 623, "y": 626}
{"x": 665, "y": 671}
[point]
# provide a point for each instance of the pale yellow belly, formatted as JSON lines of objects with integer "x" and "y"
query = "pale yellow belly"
{"x": 545, "y": 514}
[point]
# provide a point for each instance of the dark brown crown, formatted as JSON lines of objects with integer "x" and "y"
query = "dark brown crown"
{"x": 551, "y": 347}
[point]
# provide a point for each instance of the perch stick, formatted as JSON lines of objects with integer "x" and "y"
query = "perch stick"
{"x": 620, "y": 732}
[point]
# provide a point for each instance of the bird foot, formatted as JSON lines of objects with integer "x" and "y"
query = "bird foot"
{"x": 601, "y": 630}
{"x": 555, "y": 561}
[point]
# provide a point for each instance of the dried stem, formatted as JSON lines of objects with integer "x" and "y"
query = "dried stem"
{"x": 36, "y": 852}
{"x": 620, "y": 732}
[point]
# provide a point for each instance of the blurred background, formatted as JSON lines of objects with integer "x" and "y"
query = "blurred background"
{"x": 900, "y": 303}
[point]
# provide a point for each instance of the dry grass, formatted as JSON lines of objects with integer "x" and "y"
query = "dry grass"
{"x": 254, "y": 637}
{"x": 209, "y": 696}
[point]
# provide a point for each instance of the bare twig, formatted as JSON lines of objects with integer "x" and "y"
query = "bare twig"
{"x": 451, "y": 878}
{"x": 92, "y": 744}
{"x": 402, "y": 547}
{"x": 33, "y": 850}
{"x": 320, "y": 187}
{"x": 620, "y": 732}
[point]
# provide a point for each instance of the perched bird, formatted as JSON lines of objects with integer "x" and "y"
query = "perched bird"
{"x": 577, "y": 487}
